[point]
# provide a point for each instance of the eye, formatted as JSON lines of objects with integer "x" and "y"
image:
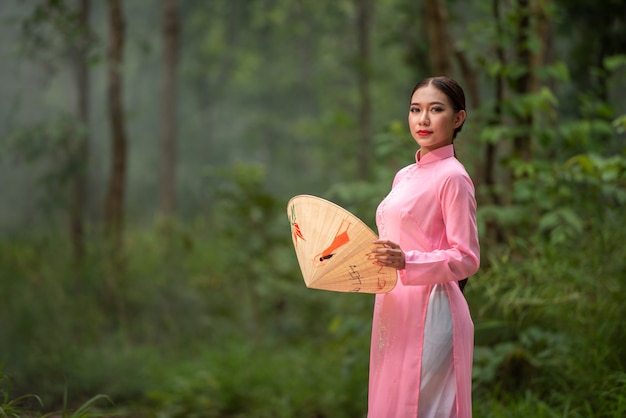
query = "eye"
{"x": 414, "y": 109}
{"x": 437, "y": 109}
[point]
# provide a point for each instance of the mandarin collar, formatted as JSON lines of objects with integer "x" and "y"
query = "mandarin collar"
{"x": 441, "y": 153}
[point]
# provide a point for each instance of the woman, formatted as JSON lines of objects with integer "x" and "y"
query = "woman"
{"x": 422, "y": 332}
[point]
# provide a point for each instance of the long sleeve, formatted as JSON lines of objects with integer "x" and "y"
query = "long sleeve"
{"x": 458, "y": 252}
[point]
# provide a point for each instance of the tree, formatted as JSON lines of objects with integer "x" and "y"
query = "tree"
{"x": 77, "y": 208}
{"x": 168, "y": 107}
{"x": 597, "y": 30}
{"x": 364, "y": 10}
{"x": 114, "y": 206}
{"x": 523, "y": 83}
{"x": 439, "y": 39}
{"x": 498, "y": 85}
{"x": 58, "y": 36}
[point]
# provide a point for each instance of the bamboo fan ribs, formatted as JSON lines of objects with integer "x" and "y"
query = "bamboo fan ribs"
{"x": 333, "y": 248}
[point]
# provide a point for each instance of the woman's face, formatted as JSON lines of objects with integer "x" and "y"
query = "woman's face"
{"x": 432, "y": 119}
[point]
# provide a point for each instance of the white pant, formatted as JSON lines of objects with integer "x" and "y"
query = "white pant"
{"x": 438, "y": 384}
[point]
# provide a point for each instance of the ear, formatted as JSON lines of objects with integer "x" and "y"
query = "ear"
{"x": 459, "y": 118}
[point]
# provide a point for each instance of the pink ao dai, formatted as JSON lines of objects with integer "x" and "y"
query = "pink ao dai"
{"x": 422, "y": 332}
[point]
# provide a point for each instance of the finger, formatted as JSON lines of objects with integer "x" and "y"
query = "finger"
{"x": 381, "y": 250}
{"x": 383, "y": 242}
{"x": 386, "y": 243}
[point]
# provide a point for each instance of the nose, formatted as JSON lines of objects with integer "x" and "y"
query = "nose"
{"x": 423, "y": 119}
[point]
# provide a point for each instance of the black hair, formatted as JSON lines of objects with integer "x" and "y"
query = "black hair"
{"x": 451, "y": 89}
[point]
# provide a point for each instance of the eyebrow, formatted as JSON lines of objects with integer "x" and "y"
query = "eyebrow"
{"x": 431, "y": 103}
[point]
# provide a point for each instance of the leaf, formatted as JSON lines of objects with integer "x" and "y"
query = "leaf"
{"x": 619, "y": 124}
{"x": 495, "y": 134}
{"x": 84, "y": 408}
{"x": 613, "y": 62}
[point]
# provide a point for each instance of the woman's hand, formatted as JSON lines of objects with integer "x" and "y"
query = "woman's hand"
{"x": 388, "y": 254}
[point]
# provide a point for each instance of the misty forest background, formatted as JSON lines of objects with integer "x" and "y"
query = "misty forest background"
{"x": 149, "y": 148}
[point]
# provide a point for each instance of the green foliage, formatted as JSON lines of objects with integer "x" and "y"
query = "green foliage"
{"x": 83, "y": 411}
{"x": 614, "y": 62}
{"x": 305, "y": 380}
{"x": 207, "y": 285}
{"x": 51, "y": 151}
{"x": 210, "y": 317}
{"x": 20, "y": 407}
{"x": 548, "y": 305}
{"x": 620, "y": 124}
{"x": 560, "y": 201}
{"x": 12, "y": 407}
{"x": 53, "y": 32}
{"x": 215, "y": 319}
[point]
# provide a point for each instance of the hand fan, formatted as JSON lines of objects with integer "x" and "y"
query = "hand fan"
{"x": 333, "y": 248}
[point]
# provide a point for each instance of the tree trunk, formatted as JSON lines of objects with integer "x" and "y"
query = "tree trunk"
{"x": 439, "y": 39}
{"x": 114, "y": 209}
{"x": 470, "y": 78}
{"x": 491, "y": 148}
{"x": 523, "y": 84}
{"x": 493, "y": 229}
{"x": 168, "y": 115}
{"x": 363, "y": 28}
{"x": 543, "y": 32}
{"x": 79, "y": 193}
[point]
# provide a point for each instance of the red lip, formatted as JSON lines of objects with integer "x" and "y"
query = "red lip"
{"x": 424, "y": 133}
